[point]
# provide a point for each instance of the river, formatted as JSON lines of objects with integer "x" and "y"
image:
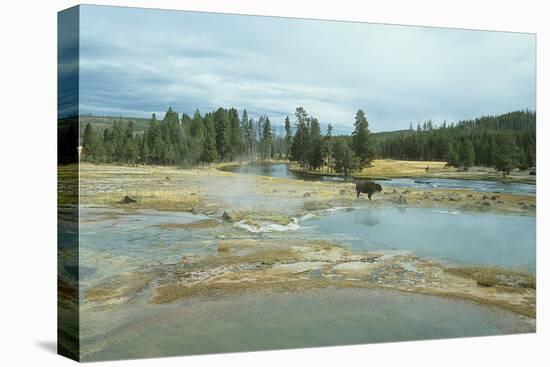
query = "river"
{"x": 282, "y": 170}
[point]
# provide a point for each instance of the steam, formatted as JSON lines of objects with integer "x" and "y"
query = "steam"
{"x": 241, "y": 191}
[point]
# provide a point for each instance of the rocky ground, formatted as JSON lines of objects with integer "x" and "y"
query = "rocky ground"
{"x": 268, "y": 266}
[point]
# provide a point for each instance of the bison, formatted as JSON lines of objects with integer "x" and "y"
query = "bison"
{"x": 367, "y": 187}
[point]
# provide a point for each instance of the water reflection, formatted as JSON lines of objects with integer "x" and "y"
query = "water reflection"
{"x": 366, "y": 218}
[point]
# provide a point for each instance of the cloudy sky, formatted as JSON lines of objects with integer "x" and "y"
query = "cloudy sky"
{"x": 134, "y": 62}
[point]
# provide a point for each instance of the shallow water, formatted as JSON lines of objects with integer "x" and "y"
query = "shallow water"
{"x": 473, "y": 185}
{"x": 281, "y": 170}
{"x": 473, "y": 238}
{"x": 114, "y": 242}
{"x": 269, "y": 321}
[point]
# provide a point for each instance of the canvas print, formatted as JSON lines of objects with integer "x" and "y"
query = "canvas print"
{"x": 234, "y": 183}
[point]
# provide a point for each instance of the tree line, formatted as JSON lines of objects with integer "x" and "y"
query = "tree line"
{"x": 505, "y": 142}
{"x": 223, "y": 135}
{"x": 217, "y": 136}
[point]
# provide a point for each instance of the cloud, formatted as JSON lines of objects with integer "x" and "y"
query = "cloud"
{"x": 136, "y": 62}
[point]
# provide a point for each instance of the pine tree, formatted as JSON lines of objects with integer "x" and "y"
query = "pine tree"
{"x": 196, "y": 128}
{"x": 118, "y": 141}
{"x": 170, "y": 155}
{"x": 235, "y": 146}
{"x": 223, "y": 134}
{"x": 361, "y": 142}
{"x": 245, "y": 135}
{"x": 185, "y": 121}
{"x": 209, "y": 151}
{"x": 315, "y": 152}
{"x": 154, "y": 139}
{"x": 132, "y": 151}
{"x": 108, "y": 145}
{"x": 171, "y": 123}
{"x": 129, "y": 146}
{"x": 288, "y": 137}
{"x": 467, "y": 153}
{"x": 327, "y": 148}
{"x": 157, "y": 151}
{"x": 266, "y": 142}
{"x": 301, "y": 115}
{"x": 300, "y": 142}
{"x": 453, "y": 158}
{"x": 89, "y": 143}
{"x": 345, "y": 161}
{"x": 273, "y": 148}
{"x": 144, "y": 149}
{"x": 252, "y": 138}
{"x": 506, "y": 154}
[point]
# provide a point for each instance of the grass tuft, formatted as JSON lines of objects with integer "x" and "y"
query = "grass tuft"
{"x": 223, "y": 246}
{"x": 486, "y": 280}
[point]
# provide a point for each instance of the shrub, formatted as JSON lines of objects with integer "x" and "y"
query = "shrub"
{"x": 486, "y": 280}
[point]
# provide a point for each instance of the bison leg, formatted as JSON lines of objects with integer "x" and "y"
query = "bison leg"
{"x": 370, "y": 195}
{"x": 357, "y": 191}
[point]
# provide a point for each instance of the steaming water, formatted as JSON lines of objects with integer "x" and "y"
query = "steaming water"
{"x": 114, "y": 241}
{"x": 281, "y": 170}
{"x": 457, "y": 236}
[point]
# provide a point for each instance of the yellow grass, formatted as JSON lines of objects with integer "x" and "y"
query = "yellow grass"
{"x": 389, "y": 168}
{"x": 488, "y": 276}
{"x": 393, "y": 168}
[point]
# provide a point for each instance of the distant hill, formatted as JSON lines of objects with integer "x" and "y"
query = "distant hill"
{"x": 103, "y": 122}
